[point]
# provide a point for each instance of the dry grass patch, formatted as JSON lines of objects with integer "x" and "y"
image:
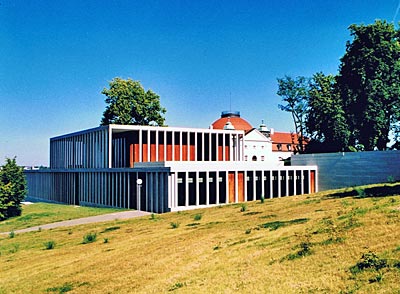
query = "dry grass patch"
{"x": 313, "y": 252}
{"x": 37, "y": 214}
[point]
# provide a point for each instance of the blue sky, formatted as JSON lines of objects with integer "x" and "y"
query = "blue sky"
{"x": 57, "y": 56}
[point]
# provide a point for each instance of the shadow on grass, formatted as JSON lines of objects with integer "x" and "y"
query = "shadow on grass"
{"x": 363, "y": 192}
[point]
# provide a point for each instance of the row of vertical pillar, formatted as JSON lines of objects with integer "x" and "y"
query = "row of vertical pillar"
{"x": 186, "y": 188}
{"x": 164, "y": 191}
{"x": 108, "y": 189}
{"x": 149, "y": 145}
{"x": 84, "y": 150}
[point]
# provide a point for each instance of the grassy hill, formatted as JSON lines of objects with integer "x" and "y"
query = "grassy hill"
{"x": 344, "y": 241}
{"x": 44, "y": 213}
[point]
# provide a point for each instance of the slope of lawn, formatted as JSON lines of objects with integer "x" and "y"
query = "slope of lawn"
{"x": 345, "y": 241}
{"x": 37, "y": 214}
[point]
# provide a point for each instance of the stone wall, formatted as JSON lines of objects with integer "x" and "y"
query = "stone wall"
{"x": 339, "y": 170}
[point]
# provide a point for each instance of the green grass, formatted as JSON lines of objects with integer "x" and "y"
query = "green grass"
{"x": 43, "y": 213}
{"x": 331, "y": 244}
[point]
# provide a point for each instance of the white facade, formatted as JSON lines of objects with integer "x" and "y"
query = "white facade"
{"x": 180, "y": 168}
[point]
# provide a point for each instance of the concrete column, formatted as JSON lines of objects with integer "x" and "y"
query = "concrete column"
{"x": 197, "y": 189}
{"x": 207, "y": 188}
{"x": 140, "y": 145}
{"x": 287, "y": 182}
{"x": 271, "y": 188}
{"x": 156, "y": 190}
{"x": 173, "y": 145}
{"x": 209, "y": 147}
{"x": 223, "y": 148}
{"x": 245, "y": 185}
{"x": 262, "y": 183}
{"x": 157, "y": 134}
{"x": 217, "y": 187}
{"x": 203, "y": 148}
{"x": 195, "y": 146}
{"x": 186, "y": 188}
{"x": 148, "y": 146}
{"x": 236, "y": 187}
{"x": 180, "y": 145}
{"x": 165, "y": 145}
{"x": 171, "y": 193}
{"x": 279, "y": 183}
{"x": 255, "y": 185}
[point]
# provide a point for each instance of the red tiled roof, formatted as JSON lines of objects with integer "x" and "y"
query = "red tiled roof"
{"x": 284, "y": 139}
{"x": 238, "y": 123}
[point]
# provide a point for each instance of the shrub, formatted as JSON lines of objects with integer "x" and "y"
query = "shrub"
{"x": 11, "y": 234}
{"x": 49, "y": 245}
{"x": 243, "y": 207}
{"x": 15, "y": 248}
{"x": 360, "y": 193}
{"x": 109, "y": 229}
{"x": 272, "y": 226}
{"x": 12, "y": 189}
{"x": 248, "y": 231}
{"x": 390, "y": 179}
{"x": 396, "y": 264}
{"x": 305, "y": 249}
{"x": 66, "y": 287}
{"x": 262, "y": 199}
{"x": 198, "y": 217}
{"x": 176, "y": 286}
{"x": 89, "y": 238}
{"x": 369, "y": 261}
{"x": 174, "y": 225}
{"x": 105, "y": 240}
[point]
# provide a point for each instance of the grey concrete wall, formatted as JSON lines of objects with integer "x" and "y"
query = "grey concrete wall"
{"x": 339, "y": 170}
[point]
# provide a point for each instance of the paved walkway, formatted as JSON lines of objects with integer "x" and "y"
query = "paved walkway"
{"x": 85, "y": 220}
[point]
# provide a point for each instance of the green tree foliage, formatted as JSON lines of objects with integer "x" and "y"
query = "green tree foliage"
{"x": 326, "y": 120}
{"x": 129, "y": 104}
{"x": 369, "y": 83}
{"x": 357, "y": 109}
{"x": 12, "y": 189}
{"x": 294, "y": 93}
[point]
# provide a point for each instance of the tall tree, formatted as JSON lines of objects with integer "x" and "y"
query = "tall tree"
{"x": 129, "y": 104}
{"x": 326, "y": 119}
{"x": 369, "y": 83}
{"x": 294, "y": 93}
{"x": 12, "y": 189}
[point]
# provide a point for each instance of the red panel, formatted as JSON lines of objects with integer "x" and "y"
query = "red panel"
{"x": 131, "y": 155}
{"x": 231, "y": 180}
{"x": 227, "y": 153}
{"x": 312, "y": 181}
{"x": 177, "y": 153}
{"x": 144, "y": 153}
{"x": 220, "y": 155}
{"x": 153, "y": 154}
{"x": 240, "y": 187}
{"x": 192, "y": 153}
{"x": 169, "y": 152}
{"x": 161, "y": 152}
{"x": 136, "y": 152}
{"x": 184, "y": 152}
